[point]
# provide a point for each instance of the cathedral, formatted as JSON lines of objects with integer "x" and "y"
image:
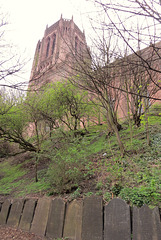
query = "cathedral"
{"x": 63, "y": 43}
{"x": 55, "y": 53}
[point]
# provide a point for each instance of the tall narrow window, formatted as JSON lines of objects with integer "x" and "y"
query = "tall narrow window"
{"x": 81, "y": 50}
{"x": 47, "y": 49}
{"x": 76, "y": 45}
{"x": 53, "y": 45}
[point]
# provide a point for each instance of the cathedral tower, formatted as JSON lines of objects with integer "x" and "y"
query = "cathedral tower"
{"x": 56, "y": 52}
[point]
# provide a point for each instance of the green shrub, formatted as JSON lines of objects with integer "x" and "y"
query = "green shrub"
{"x": 99, "y": 185}
{"x": 116, "y": 189}
{"x": 64, "y": 174}
{"x": 141, "y": 195}
{"x": 88, "y": 194}
{"x": 75, "y": 194}
{"x": 107, "y": 196}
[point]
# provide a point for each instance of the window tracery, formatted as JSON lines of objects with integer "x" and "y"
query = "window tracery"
{"x": 48, "y": 46}
{"x": 76, "y": 45}
{"x": 53, "y": 45}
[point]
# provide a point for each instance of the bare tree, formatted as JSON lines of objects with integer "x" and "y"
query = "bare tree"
{"x": 138, "y": 82}
{"x": 95, "y": 73}
{"x": 136, "y": 23}
{"x": 10, "y": 62}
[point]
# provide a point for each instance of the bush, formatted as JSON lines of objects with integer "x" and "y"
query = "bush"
{"x": 64, "y": 174}
{"x": 116, "y": 189}
{"x": 107, "y": 196}
{"x": 141, "y": 195}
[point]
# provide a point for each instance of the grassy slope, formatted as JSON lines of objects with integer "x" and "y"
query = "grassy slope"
{"x": 91, "y": 164}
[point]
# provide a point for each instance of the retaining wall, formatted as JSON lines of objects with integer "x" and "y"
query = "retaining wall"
{"x": 85, "y": 219}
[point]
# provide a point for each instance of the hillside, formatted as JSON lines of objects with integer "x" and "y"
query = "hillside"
{"x": 88, "y": 164}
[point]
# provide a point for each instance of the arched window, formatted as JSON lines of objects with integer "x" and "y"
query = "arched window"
{"x": 76, "y": 45}
{"x": 47, "y": 49}
{"x": 53, "y": 45}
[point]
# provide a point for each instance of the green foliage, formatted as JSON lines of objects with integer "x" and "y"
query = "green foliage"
{"x": 99, "y": 185}
{"x": 87, "y": 164}
{"x": 64, "y": 173}
{"x": 156, "y": 141}
{"x": 155, "y": 109}
{"x": 33, "y": 187}
{"x": 107, "y": 196}
{"x": 116, "y": 189}
{"x": 141, "y": 195}
{"x": 9, "y": 177}
{"x": 14, "y": 120}
{"x": 88, "y": 194}
{"x": 75, "y": 194}
{"x": 132, "y": 178}
{"x": 65, "y": 103}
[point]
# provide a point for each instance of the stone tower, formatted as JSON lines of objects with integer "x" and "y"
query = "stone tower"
{"x": 56, "y": 52}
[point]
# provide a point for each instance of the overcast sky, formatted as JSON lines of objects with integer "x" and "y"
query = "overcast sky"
{"x": 28, "y": 19}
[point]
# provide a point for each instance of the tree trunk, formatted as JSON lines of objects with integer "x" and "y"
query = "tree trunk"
{"x": 115, "y": 129}
{"x": 118, "y": 125}
{"x": 137, "y": 120}
{"x": 128, "y": 113}
{"x": 38, "y": 149}
{"x": 36, "y": 176}
{"x": 146, "y": 122}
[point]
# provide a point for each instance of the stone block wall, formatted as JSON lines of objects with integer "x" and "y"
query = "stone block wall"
{"x": 86, "y": 219}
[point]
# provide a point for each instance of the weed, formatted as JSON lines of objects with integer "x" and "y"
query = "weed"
{"x": 141, "y": 195}
{"x": 116, "y": 189}
{"x": 99, "y": 185}
{"x": 88, "y": 194}
{"x": 75, "y": 194}
{"x": 107, "y": 196}
{"x": 99, "y": 193}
